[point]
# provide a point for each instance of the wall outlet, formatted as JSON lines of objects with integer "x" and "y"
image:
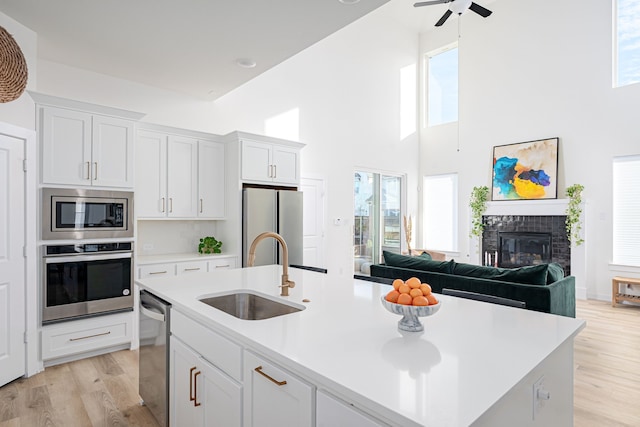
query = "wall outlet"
{"x": 540, "y": 396}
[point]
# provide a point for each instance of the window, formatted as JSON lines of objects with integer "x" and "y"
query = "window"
{"x": 442, "y": 86}
{"x": 627, "y": 61}
{"x": 377, "y": 217}
{"x": 626, "y": 210}
{"x": 440, "y": 207}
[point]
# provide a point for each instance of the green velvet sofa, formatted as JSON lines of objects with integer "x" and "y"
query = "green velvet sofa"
{"x": 541, "y": 287}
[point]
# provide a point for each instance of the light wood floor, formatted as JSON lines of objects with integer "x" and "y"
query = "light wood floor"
{"x": 102, "y": 391}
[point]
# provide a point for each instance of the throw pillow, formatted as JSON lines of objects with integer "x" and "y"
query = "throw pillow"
{"x": 530, "y": 275}
{"x": 417, "y": 263}
{"x": 426, "y": 255}
{"x": 555, "y": 272}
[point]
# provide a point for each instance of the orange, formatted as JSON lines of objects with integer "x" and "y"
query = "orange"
{"x": 397, "y": 283}
{"x": 415, "y": 293}
{"x": 420, "y": 300}
{"x": 432, "y": 299}
{"x": 405, "y": 299}
{"x": 413, "y": 282}
{"x": 404, "y": 289}
{"x": 425, "y": 288}
{"x": 392, "y": 296}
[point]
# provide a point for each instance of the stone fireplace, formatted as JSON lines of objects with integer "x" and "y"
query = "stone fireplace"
{"x": 519, "y": 240}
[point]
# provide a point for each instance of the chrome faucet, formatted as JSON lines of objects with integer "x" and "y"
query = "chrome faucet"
{"x": 286, "y": 283}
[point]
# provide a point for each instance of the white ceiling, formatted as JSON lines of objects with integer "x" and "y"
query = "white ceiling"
{"x": 191, "y": 46}
{"x": 188, "y": 46}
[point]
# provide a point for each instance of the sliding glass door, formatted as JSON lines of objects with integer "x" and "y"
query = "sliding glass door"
{"x": 377, "y": 218}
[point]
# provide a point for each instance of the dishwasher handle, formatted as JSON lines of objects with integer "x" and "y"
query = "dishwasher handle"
{"x": 152, "y": 314}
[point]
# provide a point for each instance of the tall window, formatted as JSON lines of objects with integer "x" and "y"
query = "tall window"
{"x": 626, "y": 210}
{"x": 377, "y": 217}
{"x": 440, "y": 207}
{"x": 627, "y": 47}
{"x": 442, "y": 86}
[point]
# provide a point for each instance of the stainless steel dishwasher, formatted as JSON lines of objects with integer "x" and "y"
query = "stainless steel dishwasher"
{"x": 153, "y": 370}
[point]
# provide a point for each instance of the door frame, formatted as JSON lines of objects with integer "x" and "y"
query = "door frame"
{"x": 33, "y": 364}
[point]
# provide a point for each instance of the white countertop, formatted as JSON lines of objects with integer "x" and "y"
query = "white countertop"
{"x": 158, "y": 259}
{"x": 469, "y": 356}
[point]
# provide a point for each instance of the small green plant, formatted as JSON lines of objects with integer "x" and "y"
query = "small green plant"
{"x": 209, "y": 245}
{"x": 574, "y": 210}
{"x": 478, "y": 204}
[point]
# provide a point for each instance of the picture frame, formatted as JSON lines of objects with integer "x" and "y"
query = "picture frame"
{"x": 525, "y": 170}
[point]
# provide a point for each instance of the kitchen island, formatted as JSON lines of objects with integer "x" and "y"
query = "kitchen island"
{"x": 475, "y": 363}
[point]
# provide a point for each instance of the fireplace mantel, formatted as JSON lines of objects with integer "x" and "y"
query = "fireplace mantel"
{"x": 528, "y": 207}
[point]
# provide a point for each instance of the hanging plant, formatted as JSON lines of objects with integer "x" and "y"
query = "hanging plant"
{"x": 478, "y": 204}
{"x": 574, "y": 211}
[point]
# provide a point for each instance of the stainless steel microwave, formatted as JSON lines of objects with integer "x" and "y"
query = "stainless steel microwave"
{"x": 69, "y": 213}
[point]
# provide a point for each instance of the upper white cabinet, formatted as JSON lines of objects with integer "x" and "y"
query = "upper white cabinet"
{"x": 179, "y": 176}
{"x": 85, "y": 144}
{"x": 270, "y": 162}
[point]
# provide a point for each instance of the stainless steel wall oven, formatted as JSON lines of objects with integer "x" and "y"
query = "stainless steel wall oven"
{"x": 86, "y": 279}
{"x": 86, "y": 214}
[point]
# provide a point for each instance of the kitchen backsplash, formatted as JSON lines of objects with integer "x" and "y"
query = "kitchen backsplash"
{"x": 172, "y": 237}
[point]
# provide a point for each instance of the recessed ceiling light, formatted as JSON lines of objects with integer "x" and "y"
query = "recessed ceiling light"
{"x": 246, "y": 62}
{"x": 349, "y": 1}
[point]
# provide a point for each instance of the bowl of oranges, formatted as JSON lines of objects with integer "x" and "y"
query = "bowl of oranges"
{"x": 412, "y": 299}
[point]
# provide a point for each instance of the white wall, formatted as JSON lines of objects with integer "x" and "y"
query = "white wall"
{"x": 537, "y": 69}
{"x": 346, "y": 90}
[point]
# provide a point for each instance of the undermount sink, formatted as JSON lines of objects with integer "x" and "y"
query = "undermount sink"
{"x": 250, "y": 306}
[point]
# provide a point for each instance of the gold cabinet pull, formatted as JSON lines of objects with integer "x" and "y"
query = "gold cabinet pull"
{"x": 158, "y": 272}
{"x": 192, "y": 269}
{"x": 191, "y": 396}
{"x": 170, "y": 204}
{"x": 88, "y": 170}
{"x": 90, "y": 336}
{"x": 195, "y": 389}
{"x": 223, "y": 266}
{"x": 200, "y": 205}
{"x": 275, "y": 171}
{"x": 163, "y": 205}
{"x": 95, "y": 176}
{"x": 279, "y": 383}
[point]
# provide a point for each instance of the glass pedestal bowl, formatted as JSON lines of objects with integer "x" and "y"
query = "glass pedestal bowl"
{"x": 411, "y": 314}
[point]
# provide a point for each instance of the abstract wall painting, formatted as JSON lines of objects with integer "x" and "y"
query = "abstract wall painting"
{"x": 526, "y": 170}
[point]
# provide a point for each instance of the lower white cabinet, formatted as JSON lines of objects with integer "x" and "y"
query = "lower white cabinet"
{"x": 274, "y": 397}
{"x": 191, "y": 267}
{"x": 200, "y": 394}
{"x": 222, "y": 263}
{"x": 332, "y": 412}
{"x": 183, "y": 267}
{"x": 75, "y": 337}
{"x": 156, "y": 270}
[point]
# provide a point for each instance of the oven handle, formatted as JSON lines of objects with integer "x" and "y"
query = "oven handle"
{"x": 80, "y": 258}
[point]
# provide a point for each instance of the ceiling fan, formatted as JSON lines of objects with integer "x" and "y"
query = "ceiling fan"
{"x": 457, "y": 6}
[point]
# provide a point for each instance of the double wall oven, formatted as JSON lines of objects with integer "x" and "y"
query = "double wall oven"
{"x": 87, "y": 254}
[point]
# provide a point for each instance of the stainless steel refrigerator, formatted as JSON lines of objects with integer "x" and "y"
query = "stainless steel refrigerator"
{"x": 266, "y": 209}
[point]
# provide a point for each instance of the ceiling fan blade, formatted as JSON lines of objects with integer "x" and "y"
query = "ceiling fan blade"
{"x": 442, "y": 20}
{"x": 480, "y": 10}
{"x": 429, "y": 3}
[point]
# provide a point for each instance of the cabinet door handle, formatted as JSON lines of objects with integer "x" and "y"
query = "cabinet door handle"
{"x": 270, "y": 171}
{"x": 200, "y": 205}
{"x": 90, "y": 336}
{"x": 170, "y": 204}
{"x": 95, "y": 175}
{"x": 279, "y": 383}
{"x": 88, "y": 170}
{"x": 191, "y": 396}
{"x": 195, "y": 389}
{"x": 275, "y": 171}
{"x": 163, "y": 205}
{"x": 223, "y": 266}
{"x": 192, "y": 269}
{"x": 158, "y": 272}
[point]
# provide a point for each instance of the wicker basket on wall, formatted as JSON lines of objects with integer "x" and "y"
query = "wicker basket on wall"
{"x": 13, "y": 68}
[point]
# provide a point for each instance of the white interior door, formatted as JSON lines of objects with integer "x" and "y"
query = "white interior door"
{"x": 313, "y": 221}
{"x": 12, "y": 261}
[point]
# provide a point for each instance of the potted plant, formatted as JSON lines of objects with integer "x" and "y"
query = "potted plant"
{"x": 573, "y": 212}
{"x": 209, "y": 245}
{"x": 478, "y": 204}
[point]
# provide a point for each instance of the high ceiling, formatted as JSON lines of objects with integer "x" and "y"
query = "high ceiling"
{"x": 188, "y": 46}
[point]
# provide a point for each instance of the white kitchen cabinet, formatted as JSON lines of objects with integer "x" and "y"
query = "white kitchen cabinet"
{"x": 191, "y": 267}
{"x": 274, "y": 397}
{"x": 332, "y": 412}
{"x": 179, "y": 177}
{"x": 222, "y": 263}
{"x": 84, "y": 149}
{"x": 156, "y": 270}
{"x": 270, "y": 163}
{"x": 200, "y": 394}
